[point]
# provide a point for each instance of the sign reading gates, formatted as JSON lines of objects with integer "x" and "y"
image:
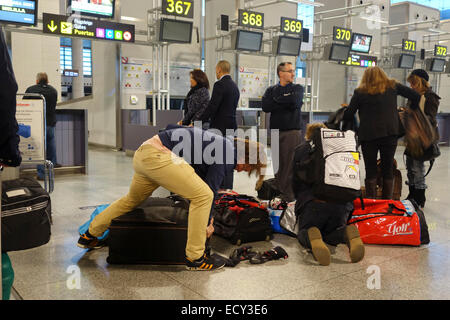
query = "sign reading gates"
{"x": 87, "y": 28}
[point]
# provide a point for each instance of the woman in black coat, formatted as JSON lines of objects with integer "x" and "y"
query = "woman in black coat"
{"x": 418, "y": 80}
{"x": 197, "y": 99}
{"x": 376, "y": 102}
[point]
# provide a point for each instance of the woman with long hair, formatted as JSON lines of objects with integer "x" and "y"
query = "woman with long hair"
{"x": 376, "y": 102}
{"x": 197, "y": 99}
{"x": 418, "y": 79}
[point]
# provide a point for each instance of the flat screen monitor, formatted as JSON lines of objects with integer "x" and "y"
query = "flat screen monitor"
{"x": 248, "y": 40}
{"x": 339, "y": 52}
{"x": 19, "y": 12}
{"x": 97, "y": 8}
{"x": 361, "y": 43}
{"x": 438, "y": 65}
{"x": 406, "y": 61}
{"x": 176, "y": 31}
{"x": 289, "y": 46}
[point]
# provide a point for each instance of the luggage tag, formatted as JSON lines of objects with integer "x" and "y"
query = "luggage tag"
{"x": 18, "y": 192}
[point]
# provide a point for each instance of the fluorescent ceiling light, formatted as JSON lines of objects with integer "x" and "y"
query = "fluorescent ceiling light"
{"x": 307, "y": 2}
{"x": 129, "y": 18}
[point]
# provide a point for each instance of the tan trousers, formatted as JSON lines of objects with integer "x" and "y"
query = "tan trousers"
{"x": 154, "y": 168}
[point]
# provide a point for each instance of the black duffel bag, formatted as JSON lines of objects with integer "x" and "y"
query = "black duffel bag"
{"x": 268, "y": 190}
{"x": 26, "y": 215}
{"x": 241, "y": 219}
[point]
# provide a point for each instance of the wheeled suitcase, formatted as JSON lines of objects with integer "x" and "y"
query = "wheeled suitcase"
{"x": 153, "y": 233}
{"x": 26, "y": 215}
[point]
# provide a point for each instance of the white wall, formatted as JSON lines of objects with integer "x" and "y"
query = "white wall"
{"x": 35, "y": 53}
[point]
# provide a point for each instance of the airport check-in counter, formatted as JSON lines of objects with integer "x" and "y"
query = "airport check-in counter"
{"x": 443, "y": 120}
{"x": 71, "y": 139}
{"x": 137, "y": 128}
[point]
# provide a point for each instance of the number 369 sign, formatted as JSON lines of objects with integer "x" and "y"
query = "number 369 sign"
{"x": 180, "y": 8}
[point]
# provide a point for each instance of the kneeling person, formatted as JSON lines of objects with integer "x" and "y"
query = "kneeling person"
{"x": 160, "y": 161}
{"x": 322, "y": 222}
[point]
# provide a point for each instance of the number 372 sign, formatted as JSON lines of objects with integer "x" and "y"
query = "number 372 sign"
{"x": 179, "y": 8}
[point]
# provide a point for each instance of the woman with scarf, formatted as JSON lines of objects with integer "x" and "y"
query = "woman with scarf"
{"x": 197, "y": 99}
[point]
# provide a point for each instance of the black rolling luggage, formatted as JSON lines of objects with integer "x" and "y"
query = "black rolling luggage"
{"x": 26, "y": 215}
{"x": 153, "y": 233}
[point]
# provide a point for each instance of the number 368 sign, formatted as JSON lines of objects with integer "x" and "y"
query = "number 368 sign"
{"x": 180, "y": 8}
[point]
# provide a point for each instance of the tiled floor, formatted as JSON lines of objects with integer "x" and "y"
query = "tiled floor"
{"x": 61, "y": 270}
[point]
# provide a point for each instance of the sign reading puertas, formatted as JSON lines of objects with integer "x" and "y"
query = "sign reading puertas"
{"x": 71, "y": 26}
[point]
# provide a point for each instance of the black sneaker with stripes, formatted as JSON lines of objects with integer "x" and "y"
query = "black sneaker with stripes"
{"x": 88, "y": 241}
{"x": 205, "y": 263}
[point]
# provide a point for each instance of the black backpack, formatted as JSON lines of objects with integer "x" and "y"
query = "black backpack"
{"x": 331, "y": 167}
{"x": 241, "y": 219}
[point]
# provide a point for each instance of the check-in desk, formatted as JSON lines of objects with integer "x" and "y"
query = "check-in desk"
{"x": 443, "y": 120}
{"x": 137, "y": 126}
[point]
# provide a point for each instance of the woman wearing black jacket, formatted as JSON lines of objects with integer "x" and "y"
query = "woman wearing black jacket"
{"x": 376, "y": 101}
{"x": 197, "y": 99}
{"x": 418, "y": 80}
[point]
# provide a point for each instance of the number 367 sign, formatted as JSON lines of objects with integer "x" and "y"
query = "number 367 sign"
{"x": 180, "y": 8}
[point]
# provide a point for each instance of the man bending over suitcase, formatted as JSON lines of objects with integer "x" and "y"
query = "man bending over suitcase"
{"x": 187, "y": 161}
{"x": 319, "y": 221}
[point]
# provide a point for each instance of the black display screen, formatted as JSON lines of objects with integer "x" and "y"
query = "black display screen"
{"x": 175, "y": 31}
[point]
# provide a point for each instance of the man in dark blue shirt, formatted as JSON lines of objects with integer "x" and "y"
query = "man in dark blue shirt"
{"x": 187, "y": 161}
{"x": 284, "y": 102}
{"x": 51, "y": 96}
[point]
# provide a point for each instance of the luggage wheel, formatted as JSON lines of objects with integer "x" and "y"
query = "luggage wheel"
{"x": 267, "y": 238}
{"x": 239, "y": 242}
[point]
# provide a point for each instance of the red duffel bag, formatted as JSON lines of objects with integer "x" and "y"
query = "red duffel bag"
{"x": 390, "y": 222}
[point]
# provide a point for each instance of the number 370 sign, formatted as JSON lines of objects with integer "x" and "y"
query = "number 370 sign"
{"x": 180, "y": 8}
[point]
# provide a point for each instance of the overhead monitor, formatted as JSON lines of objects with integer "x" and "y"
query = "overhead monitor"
{"x": 19, "y": 12}
{"x": 96, "y": 8}
{"x": 176, "y": 31}
{"x": 339, "y": 52}
{"x": 361, "y": 43}
{"x": 248, "y": 40}
{"x": 289, "y": 46}
{"x": 437, "y": 65}
{"x": 406, "y": 61}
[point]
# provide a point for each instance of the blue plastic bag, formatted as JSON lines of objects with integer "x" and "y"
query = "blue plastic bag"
{"x": 275, "y": 217}
{"x": 97, "y": 211}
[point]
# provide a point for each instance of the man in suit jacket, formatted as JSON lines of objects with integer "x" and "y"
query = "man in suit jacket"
{"x": 221, "y": 111}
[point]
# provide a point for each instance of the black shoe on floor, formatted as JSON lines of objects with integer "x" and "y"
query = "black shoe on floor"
{"x": 205, "y": 263}
{"x": 87, "y": 241}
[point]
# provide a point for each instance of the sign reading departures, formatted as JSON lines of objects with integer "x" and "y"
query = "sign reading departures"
{"x": 251, "y": 19}
{"x": 87, "y": 28}
{"x": 179, "y": 8}
{"x": 292, "y": 26}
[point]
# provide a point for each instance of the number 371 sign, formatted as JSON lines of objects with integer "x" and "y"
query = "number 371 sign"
{"x": 179, "y": 8}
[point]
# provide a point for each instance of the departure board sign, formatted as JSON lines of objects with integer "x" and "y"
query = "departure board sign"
{"x": 251, "y": 19}
{"x": 409, "y": 45}
{"x": 357, "y": 60}
{"x": 342, "y": 35}
{"x": 292, "y": 26}
{"x": 19, "y": 12}
{"x": 440, "y": 51}
{"x": 179, "y": 8}
{"x": 87, "y": 28}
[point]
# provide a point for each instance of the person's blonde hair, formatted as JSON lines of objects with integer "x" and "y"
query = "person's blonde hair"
{"x": 224, "y": 66}
{"x": 310, "y": 128}
{"x": 421, "y": 84}
{"x": 375, "y": 81}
